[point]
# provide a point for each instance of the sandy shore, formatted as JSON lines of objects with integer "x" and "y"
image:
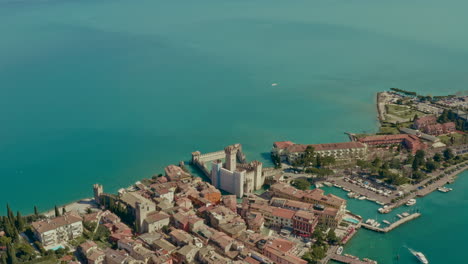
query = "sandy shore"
{"x": 79, "y": 206}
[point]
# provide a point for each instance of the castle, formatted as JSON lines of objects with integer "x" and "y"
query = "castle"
{"x": 233, "y": 177}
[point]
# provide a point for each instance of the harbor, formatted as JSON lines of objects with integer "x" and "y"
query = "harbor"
{"x": 392, "y": 226}
{"x": 351, "y": 259}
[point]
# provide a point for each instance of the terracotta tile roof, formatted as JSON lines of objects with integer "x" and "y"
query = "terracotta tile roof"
{"x": 283, "y": 213}
{"x": 304, "y": 214}
{"x": 156, "y": 217}
{"x": 281, "y": 244}
{"x": 51, "y": 224}
{"x": 87, "y": 246}
{"x": 250, "y": 260}
{"x": 282, "y": 144}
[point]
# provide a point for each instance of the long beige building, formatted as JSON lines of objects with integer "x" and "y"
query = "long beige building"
{"x": 53, "y": 232}
{"x": 289, "y": 151}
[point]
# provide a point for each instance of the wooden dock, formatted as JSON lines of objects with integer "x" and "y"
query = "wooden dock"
{"x": 351, "y": 260}
{"x": 393, "y": 225}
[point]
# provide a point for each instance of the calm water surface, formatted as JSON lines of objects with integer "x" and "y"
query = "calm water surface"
{"x": 112, "y": 91}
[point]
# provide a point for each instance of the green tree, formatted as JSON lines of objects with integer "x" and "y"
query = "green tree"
{"x": 395, "y": 163}
{"x": 20, "y": 224}
{"x": 443, "y": 118}
{"x": 301, "y": 184}
{"x": 437, "y": 157}
{"x": 448, "y": 154}
{"x": 432, "y": 165}
{"x": 57, "y": 213}
{"x": 36, "y": 212}
{"x": 11, "y": 255}
{"x": 165, "y": 229}
{"x": 10, "y": 214}
{"x": 331, "y": 237}
{"x": 4, "y": 241}
{"x": 328, "y": 160}
{"x": 102, "y": 234}
{"x": 63, "y": 210}
{"x": 3, "y": 259}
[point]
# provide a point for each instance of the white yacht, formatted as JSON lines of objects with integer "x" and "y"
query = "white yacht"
{"x": 339, "y": 250}
{"x": 444, "y": 189}
{"x": 420, "y": 256}
{"x": 411, "y": 202}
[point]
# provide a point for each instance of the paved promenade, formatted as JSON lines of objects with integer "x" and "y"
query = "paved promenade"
{"x": 392, "y": 226}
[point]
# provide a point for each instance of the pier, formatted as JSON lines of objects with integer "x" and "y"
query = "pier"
{"x": 351, "y": 259}
{"x": 393, "y": 225}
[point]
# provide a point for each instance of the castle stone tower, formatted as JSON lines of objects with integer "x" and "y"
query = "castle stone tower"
{"x": 98, "y": 191}
{"x": 259, "y": 180}
{"x": 231, "y": 157}
{"x": 142, "y": 211}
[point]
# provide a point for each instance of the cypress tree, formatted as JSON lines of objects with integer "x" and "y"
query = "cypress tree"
{"x": 10, "y": 229}
{"x": 19, "y": 222}
{"x": 63, "y": 210}
{"x": 3, "y": 259}
{"x": 11, "y": 255}
{"x": 57, "y": 213}
{"x": 36, "y": 212}
{"x": 10, "y": 214}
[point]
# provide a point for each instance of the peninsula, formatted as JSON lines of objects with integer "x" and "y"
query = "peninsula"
{"x": 244, "y": 212}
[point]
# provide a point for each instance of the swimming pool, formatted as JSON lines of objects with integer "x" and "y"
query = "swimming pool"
{"x": 351, "y": 220}
{"x": 57, "y": 247}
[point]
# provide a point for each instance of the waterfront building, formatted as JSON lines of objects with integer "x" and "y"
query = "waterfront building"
{"x": 329, "y": 208}
{"x": 53, "y": 232}
{"x": 328, "y": 216}
{"x": 411, "y": 142}
{"x": 304, "y": 223}
{"x": 429, "y": 125}
{"x": 281, "y": 217}
{"x": 289, "y": 151}
{"x": 176, "y": 173}
{"x": 279, "y": 250}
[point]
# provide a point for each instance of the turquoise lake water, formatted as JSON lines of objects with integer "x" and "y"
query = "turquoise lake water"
{"x": 112, "y": 91}
{"x": 440, "y": 233}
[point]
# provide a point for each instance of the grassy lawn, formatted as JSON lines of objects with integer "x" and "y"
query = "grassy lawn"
{"x": 403, "y": 111}
{"x": 388, "y": 130}
{"x": 458, "y": 139}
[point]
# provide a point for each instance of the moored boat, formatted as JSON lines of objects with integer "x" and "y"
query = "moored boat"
{"x": 411, "y": 202}
{"x": 339, "y": 251}
{"x": 444, "y": 189}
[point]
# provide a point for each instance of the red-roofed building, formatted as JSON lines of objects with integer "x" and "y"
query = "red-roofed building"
{"x": 429, "y": 125}
{"x": 304, "y": 223}
{"x": 278, "y": 256}
{"x": 409, "y": 141}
